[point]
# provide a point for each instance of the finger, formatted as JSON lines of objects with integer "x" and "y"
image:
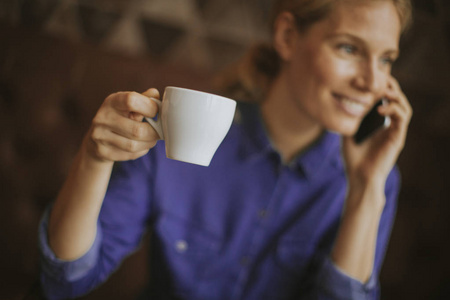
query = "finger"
{"x": 399, "y": 121}
{"x": 400, "y": 102}
{"x": 151, "y": 93}
{"x": 395, "y": 111}
{"x": 132, "y": 102}
{"x": 126, "y": 127}
{"x": 108, "y": 138}
{"x": 112, "y": 153}
{"x": 394, "y": 93}
{"x": 127, "y": 145}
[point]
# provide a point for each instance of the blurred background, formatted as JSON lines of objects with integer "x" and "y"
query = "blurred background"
{"x": 60, "y": 58}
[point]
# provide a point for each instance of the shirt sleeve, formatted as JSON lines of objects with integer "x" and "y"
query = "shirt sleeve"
{"x": 122, "y": 222}
{"x": 54, "y": 271}
{"x": 69, "y": 270}
{"x": 333, "y": 284}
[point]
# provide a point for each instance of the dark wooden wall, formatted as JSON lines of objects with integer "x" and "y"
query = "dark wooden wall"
{"x": 60, "y": 59}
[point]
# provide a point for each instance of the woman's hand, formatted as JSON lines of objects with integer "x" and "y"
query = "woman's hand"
{"x": 374, "y": 158}
{"x": 367, "y": 165}
{"x": 117, "y": 132}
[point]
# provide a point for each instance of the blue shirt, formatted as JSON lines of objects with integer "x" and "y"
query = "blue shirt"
{"x": 246, "y": 227}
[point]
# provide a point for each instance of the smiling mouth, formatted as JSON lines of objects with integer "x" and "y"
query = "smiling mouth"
{"x": 351, "y": 106}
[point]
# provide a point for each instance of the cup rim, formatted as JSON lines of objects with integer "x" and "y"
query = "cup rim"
{"x": 199, "y": 92}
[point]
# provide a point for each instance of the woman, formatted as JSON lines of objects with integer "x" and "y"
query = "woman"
{"x": 290, "y": 207}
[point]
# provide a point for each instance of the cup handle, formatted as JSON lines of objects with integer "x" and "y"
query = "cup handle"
{"x": 157, "y": 125}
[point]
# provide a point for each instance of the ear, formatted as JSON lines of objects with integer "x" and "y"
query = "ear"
{"x": 285, "y": 34}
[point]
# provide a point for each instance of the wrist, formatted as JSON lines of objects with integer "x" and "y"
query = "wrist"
{"x": 89, "y": 157}
{"x": 367, "y": 193}
{"x": 363, "y": 179}
{"x": 86, "y": 163}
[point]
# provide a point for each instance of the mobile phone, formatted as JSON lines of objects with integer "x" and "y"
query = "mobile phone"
{"x": 371, "y": 123}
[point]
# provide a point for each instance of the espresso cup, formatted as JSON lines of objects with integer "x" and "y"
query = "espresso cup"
{"x": 192, "y": 123}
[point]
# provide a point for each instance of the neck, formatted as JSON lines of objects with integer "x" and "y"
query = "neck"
{"x": 290, "y": 129}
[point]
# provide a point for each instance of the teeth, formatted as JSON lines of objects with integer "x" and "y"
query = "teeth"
{"x": 353, "y": 106}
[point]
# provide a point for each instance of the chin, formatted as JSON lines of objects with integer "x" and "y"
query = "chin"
{"x": 344, "y": 128}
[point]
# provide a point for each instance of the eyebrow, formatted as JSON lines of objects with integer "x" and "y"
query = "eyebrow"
{"x": 395, "y": 51}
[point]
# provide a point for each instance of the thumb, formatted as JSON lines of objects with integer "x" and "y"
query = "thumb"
{"x": 350, "y": 148}
{"x": 151, "y": 93}
{"x": 348, "y": 141}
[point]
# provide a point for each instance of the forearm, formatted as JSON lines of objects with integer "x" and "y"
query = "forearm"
{"x": 73, "y": 220}
{"x": 354, "y": 249}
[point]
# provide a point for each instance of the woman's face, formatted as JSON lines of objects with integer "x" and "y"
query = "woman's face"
{"x": 340, "y": 66}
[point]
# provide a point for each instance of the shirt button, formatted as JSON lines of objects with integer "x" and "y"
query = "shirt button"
{"x": 181, "y": 246}
{"x": 244, "y": 260}
{"x": 262, "y": 214}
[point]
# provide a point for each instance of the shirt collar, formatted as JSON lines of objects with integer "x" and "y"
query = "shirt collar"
{"x": 255, "y": 140}
{"x": 324, "y": 152}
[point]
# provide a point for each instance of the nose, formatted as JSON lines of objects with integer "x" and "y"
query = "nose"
{"x": 370, "y": 78}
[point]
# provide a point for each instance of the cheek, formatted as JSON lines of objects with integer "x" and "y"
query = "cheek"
{"x": 333, "y": 73}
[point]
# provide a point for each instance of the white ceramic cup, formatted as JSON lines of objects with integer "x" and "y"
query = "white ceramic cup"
{"x": 193, "y": 124}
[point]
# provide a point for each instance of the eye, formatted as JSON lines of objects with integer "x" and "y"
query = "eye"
{"x": 387, "y": 61}
{"x": 347, "y": 48}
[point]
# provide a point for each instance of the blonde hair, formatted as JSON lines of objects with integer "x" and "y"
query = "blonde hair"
{"x": 249, "y": 79}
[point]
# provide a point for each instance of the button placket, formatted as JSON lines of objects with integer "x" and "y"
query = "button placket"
{"x": 261, "y": 230}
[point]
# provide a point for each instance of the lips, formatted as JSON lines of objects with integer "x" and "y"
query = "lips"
{"x": 352, "y": 106}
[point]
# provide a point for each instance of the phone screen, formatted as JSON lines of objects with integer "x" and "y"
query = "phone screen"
{"x": 371, "y": 122}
